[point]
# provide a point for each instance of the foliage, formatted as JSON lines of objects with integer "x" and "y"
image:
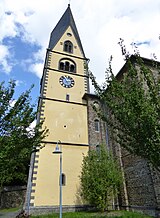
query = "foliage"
{"x": 133, "y": 105}
{"x": 17, "y": 139}
{"x": 99, "y": 178}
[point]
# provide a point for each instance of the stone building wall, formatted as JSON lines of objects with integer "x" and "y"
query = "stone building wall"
{"x": 141, "y": 186}
{"x": 12, "y": 196}
{"x": 156, "y": 182}
{"x": 95, "y": 138}
{"x": 140, "y": 190}
{"x": 116, "y": 150}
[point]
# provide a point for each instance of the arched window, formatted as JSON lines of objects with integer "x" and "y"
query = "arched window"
{"x": 61, "y": 66}
{"x": 67, "y": 65}
{"x": 63, "y": 179}
{"x": 97, "y": 125}
{"x": 68, "y": 46}
{"x": 72, "y": 67}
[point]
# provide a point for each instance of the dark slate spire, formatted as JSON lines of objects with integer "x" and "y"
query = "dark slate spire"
{"x": 65, "y": 21}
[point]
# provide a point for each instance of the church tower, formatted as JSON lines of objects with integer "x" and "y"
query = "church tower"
{"x": 64, "y": 110}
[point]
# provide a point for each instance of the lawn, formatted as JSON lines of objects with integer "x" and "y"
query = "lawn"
{"x": 9, "y": 210}
{"x": 116, "y": 214}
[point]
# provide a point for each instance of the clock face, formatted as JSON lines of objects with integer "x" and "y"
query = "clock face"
{"x": 66, "y": 81}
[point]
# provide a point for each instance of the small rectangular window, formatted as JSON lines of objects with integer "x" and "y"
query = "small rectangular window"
{"x": 97, "y": 126}
{"x": 67, "y": 97}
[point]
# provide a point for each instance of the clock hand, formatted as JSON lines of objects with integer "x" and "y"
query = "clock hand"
{"x": 68, "y": 80}
{"x": 65, "y": 79}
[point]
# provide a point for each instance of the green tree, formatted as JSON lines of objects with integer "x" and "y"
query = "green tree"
{"x": 17, "y": 139}
{"x": 133, "y": 105}
{"x": 100, "y": 178}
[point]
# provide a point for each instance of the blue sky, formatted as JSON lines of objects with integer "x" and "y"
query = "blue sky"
{"x": 21, "y": 58}
{"x": 26, "y": 26}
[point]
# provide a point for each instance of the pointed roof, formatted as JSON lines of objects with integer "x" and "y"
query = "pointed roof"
{"x": 65, "y": 21}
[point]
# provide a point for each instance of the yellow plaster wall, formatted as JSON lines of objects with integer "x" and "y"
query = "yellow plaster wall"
{"x": 59, "y": 46}
{"x": 47, "y": 183}
{"x": 55, "y": 58}
{"x": 66, "y": 122}
{"x": 76, "y": 56}
{"x": 56, "y": 91}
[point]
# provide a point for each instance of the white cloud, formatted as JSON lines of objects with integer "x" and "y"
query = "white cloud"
{"x": 36, "y": 64}
{"x": 4, "y": 59}
{"x": 37, "y": 69}
{"x": 8, "y": 27}
{"x": 31, "y": 127}
{"x": 33, "y": 124}
{"x": 12, "y": 103}
{"x": 19, "y": 82}
{"x": 100, "y": 24}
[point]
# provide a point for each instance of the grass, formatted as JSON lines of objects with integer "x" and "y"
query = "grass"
{"x": 113, "y": 214}
{"x": 116, "y": 214}
{"x": 9, "y": 210}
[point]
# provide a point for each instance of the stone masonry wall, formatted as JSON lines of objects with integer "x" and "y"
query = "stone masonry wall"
{"x": 140, "y": 184}
{"x": 95, "y": 138}
{"x": 140, "y": 189}
{"x": 12, "y": 196}
{"x": 117, "y": 153}
{"x": 156, "y": 182}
